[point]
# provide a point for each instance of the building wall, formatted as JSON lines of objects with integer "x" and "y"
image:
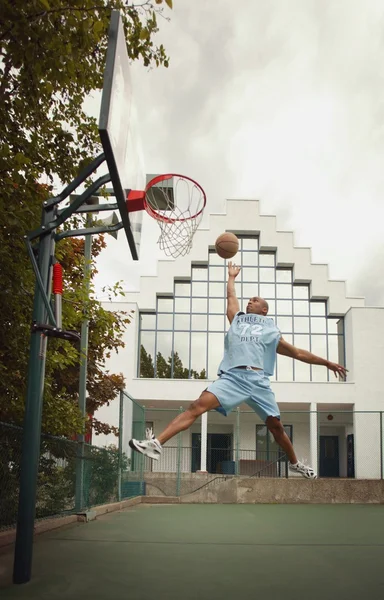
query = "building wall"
{"x": 364, "y": 346}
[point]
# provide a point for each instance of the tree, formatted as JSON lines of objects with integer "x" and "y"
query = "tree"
{"x": 52, "y": 56}
{"x": 164, "y": 367}
{"x": 146, "y": 364}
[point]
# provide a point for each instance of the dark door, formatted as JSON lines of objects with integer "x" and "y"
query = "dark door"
{"x": 219, "y": 451}
{"x": 196, "y": 452}
{"x": 329, "y": 456}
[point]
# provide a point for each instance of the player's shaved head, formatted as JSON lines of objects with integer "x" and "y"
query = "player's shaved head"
{"x": 257, "y": 306}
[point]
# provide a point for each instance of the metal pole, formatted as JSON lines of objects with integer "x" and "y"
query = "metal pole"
{"x": 237, "y": 441}
{"x": 381, "y": 445}
{"x": 121, "y": 416}
{"x": 32, "y": 416}
{"x": 80, "y": 501}
{"x": 178, "y": 477}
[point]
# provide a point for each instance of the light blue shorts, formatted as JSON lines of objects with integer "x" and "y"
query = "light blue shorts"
{"x": 242, "y": 385}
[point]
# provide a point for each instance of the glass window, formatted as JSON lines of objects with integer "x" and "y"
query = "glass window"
{"x": 301, "y": 292}
{"x": 250, "y": 274}
{"x": 319, "y": 345}
{"x": 182, "y": 304}
{"x": 333, "y": 325}
{"x": 318, "y": 325}
{"x": 214, "y": 259}
{"x": 302, "y": 371}
{"x": 200, "y": 273}
{"x": 199, "y": 289}
{"x": 267, "y": 260}
{"x": 199, "y": 305}
{"x": 199, "y": 322}
{"x": 217, "y": 289}
{"x": 217, "y": 273}
{"x": 250, "y": 243}
{"x": 333, "y": 348}
{"x": 182, "y": 322}
{"x": 147, "y": 321}
{"x": 272, "y": 308}
{"x": 284, "y": 324}
{"x": 318, "y": 309}
{"x": 284, "y": 370}
{"x": 319, "y": 373}
{"x": 164, "y": 304}
{"x": 182, "y": 289}
{"x": 164, "y": 321}
{"x": 267, "y": 275}
{"x": 250, "y": 290}
{"x": 249, "y": 259}
{"x": 163, "y": 353}
{"x": 267, "y": 290}
{"x": 217, "y": 306}
{"x": 215, "y": 353}
{"x": 216, "y": 322}
{"x": 301, "y": 324}
{"x": 283, "y": 275}
{"x": 283, "y": 290}
{"x": 199, "y": 355}
{"x": 301, "y": 307}
{"x": 147, "y": 341}
{"x": 302, "y": 341}
{"x": 284, "y": 307}
{"x": 181, "y": 347}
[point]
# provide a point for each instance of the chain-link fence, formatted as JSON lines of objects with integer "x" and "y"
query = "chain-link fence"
{"x": 337, "y": 443}
{"x": 58, "y": 483}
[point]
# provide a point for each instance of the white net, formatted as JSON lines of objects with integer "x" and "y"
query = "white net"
{"x": 177, "y": 203}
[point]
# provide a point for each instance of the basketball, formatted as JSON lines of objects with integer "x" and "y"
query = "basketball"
{"x": 227, "y": 245}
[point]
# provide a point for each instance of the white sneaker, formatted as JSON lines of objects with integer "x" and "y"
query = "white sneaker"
{"x": 305, "y": 470}
{"x": 150, "y": 447}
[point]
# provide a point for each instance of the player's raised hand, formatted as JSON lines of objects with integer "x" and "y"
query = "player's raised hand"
{"x": 338, "y": 370}
{"x": 233, "y": 270}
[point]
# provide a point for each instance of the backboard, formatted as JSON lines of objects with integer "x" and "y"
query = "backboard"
{"x": 119, "y": 131}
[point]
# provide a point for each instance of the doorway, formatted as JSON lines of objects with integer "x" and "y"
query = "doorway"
{"x": 219, "y": 449}
{"x": 329, "y": 456}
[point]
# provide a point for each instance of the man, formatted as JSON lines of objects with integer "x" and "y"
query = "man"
{"x": 249, "y": 360}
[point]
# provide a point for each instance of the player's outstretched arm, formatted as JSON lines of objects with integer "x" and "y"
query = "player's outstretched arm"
{"x": 287, "y": 349}
{"x": 232, "y": 302}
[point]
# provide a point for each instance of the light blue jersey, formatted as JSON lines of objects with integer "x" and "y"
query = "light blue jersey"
{"x": 251, "y": 341}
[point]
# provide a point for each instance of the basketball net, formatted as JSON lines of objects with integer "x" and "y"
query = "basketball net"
{"x": 177, "y": 203}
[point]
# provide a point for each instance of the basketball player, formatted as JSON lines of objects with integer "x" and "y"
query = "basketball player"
{"x": 249, "y": 360}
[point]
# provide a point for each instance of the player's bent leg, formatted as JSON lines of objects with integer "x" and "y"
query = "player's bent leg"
{"x": 152, "y": 446}
{"x": 275, "y": 426}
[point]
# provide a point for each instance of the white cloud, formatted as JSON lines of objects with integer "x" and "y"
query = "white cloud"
{"x": 276, "y": 100}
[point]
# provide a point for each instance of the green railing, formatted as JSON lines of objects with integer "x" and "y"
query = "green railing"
{"x": 56, "y": 491}
{"x": 344, "y": 443}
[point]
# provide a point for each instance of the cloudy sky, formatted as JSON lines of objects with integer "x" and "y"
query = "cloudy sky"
{"x": 279, "y": 100}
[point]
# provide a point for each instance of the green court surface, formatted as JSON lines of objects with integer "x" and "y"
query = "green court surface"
{"x": 185, "y": 552}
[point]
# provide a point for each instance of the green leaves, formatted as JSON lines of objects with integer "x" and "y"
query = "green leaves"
{"x": 53, "y": 57}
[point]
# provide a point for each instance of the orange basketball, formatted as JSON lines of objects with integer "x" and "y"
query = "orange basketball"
{"x": 227, "y": 245}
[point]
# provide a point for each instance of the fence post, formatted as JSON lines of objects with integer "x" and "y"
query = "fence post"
{"x": 178, "y": 476}
{"x": 237, "y": 441}
{"x": 121, "y": 414}
{"x": 381, "y": 444}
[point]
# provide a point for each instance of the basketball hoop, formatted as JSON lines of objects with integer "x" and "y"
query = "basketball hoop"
{"x": 177, "y": 203}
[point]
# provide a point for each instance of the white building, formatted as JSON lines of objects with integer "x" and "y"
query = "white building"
{"x": 336, "y": 426}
